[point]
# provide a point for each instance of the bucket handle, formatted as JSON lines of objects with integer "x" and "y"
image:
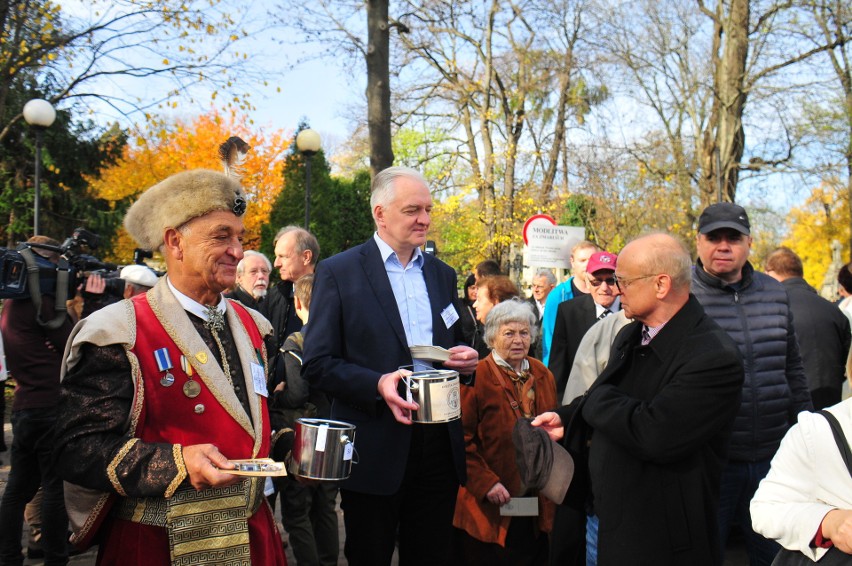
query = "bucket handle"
{"x": 411, "y": 388}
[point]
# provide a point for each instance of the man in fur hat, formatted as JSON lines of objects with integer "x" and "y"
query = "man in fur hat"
{"x": 161, "y": 392}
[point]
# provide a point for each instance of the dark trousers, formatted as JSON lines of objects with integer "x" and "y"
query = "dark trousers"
{"x": 568, "y": 537}
{"x": 32, "y": 467}
{"x": 739, "y": 482}
{"x": 308, "y": 515}
{"x": 421, "y": 512}
{"x": 525, "y": 546}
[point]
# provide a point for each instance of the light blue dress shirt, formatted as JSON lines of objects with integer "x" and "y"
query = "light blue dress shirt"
{"x": 412, "y": 297}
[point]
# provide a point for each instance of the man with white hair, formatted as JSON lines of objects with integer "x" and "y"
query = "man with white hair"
{"x": 251, "y": 290}
{"x": 542, "y": 284}
{"x": 252, "y": 278}
{"x": 374, "y": 302}
{"x": 160, "y": 394}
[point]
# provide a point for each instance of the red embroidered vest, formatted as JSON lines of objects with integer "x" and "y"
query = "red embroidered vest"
{"x": 168, "y": 415}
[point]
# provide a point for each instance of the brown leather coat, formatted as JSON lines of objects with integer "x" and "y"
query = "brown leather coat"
{"x": 488, "y": 420}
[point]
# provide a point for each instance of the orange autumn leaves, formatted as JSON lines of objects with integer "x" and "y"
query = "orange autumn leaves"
{"x": 163, "y": 149}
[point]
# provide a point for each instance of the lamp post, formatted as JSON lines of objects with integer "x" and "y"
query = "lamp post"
{"x": 39, "y": 114}
{"x": 308, "y": 143}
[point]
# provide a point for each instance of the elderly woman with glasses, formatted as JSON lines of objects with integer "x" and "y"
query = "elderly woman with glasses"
{"x": 509, "y": 386}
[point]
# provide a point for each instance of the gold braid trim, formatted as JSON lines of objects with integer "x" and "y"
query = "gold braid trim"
{"x": 78, "y": 536}
{"x": 135, "y": 369}
{"x": 177, "y": 453}
{"x": 254, "y": 401}
{"x": 113, "y": 477}
{"x": 276, "y": 436}
{"x": 138, "y": 390}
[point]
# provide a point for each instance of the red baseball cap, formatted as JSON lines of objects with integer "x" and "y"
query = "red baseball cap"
{"x": 601, "y": 260}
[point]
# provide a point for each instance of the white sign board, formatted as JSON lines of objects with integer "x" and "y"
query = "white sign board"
{"x": 549, "y": 245}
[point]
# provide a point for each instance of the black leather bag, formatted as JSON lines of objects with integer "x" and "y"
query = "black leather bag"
{"x": 833, "y": 557}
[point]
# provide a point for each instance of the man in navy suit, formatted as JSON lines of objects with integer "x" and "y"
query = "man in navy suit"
{"x": 372, "y": 303}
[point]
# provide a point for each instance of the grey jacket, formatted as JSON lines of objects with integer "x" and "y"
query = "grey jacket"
{"x": 758, "y": 318}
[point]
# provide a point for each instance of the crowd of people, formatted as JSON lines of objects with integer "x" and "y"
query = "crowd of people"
{"x": 663, "y": 396}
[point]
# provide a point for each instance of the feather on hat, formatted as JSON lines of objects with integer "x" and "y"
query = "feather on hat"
{"x": 177, "y": 200}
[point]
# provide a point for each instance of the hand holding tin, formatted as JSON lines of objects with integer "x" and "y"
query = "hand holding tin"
{"x": 387, "y": 389}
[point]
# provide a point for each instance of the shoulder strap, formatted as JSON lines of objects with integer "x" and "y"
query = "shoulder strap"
{"x": 839, "y": 438}
{"x": 61, "y": 291}
{"x": 297, "y": 341}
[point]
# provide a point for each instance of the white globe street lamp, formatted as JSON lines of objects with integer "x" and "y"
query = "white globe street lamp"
{"x": 39, "y": 114}
{"x": 308, "y": 143}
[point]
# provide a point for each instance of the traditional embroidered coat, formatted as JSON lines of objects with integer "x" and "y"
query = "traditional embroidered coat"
{"x": 122, "y": 425}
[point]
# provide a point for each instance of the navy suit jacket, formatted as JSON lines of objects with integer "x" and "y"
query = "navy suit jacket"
{"x": 573, "y": 319}
{"x": 355, "y": 336}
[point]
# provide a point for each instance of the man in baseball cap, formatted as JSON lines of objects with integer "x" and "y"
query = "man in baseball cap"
{"x": 574, "y": 318}
{"x": 724, "y": 241}
{"x": 161, "y": 393}
{"x": 724, "y": 215}
{"x": 755, "y": 311}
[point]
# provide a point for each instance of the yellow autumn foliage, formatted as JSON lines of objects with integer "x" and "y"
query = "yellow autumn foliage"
{"x": 823, "y": 218}
{"x": 164, "y": 148}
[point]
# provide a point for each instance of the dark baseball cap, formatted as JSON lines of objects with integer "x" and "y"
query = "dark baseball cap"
{"x": 724, "y": 215}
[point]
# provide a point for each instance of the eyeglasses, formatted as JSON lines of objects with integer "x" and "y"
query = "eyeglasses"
{"x": 595, "y": 282}
{"x": 623, "y": 283}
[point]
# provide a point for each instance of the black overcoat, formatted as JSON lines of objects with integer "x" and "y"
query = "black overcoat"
{"x": 658, "y": 421}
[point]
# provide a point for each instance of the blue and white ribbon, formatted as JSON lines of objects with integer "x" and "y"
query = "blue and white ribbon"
{"x": 164, "y": 362}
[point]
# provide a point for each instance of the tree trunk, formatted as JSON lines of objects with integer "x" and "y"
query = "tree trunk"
{"x": 558, "y": 131}
{"x": 378, "y": 86}
{"x": 724, "y": 137}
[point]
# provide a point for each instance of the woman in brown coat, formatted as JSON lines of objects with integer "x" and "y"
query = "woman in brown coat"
{"x": 509, "y": 385}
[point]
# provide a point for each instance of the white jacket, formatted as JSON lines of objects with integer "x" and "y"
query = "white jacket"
{"x": 807, "y": 480}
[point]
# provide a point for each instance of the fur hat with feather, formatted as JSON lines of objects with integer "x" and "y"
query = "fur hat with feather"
{"x": 177, "y": 200}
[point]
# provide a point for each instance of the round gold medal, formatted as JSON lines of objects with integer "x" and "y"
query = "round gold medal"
{"x": 191, "y": 389}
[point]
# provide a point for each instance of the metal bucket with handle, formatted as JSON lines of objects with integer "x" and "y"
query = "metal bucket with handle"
{"x": 323, "y": 449}
{"x": 438, "y": 394}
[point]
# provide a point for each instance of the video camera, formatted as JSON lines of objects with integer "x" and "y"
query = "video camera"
{"x": 25, "y": 273}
